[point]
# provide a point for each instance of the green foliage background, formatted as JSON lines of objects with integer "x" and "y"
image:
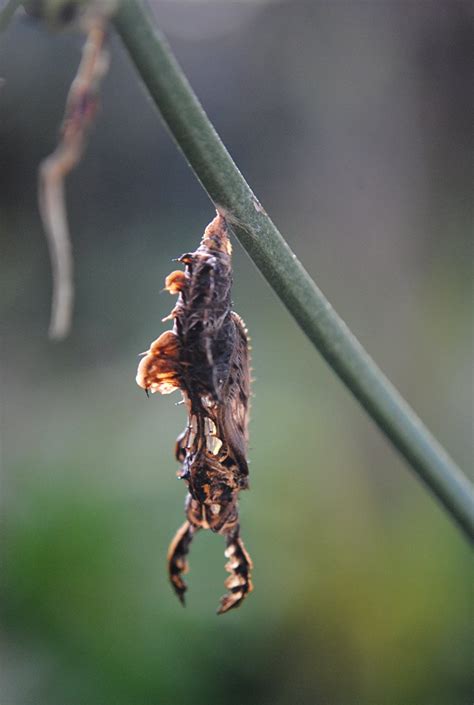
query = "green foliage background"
{"x": 351, "y": 123}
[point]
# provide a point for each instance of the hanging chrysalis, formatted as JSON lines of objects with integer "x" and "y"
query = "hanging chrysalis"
{"x": 206, "y": 356}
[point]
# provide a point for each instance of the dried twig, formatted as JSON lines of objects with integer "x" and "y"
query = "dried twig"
{"x": 81, "y": 108}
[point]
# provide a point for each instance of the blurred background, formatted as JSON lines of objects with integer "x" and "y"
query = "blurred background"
{"x": 351, "y": 120}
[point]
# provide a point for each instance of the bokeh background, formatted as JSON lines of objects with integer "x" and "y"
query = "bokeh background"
{"x": 351, "y": 122}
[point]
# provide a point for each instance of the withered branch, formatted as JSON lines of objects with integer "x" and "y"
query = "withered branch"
{"x": 81, "y": 108}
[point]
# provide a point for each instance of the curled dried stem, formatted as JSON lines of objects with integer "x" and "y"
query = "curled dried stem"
{"x": 81, "y": 108}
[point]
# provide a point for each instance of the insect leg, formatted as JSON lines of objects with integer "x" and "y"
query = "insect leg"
{"x": 177, "y": 563}
{"x": 239, "y": 583}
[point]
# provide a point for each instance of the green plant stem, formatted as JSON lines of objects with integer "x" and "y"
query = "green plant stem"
{"x": 7, "y": 12}
{"x": 234, "y": 199}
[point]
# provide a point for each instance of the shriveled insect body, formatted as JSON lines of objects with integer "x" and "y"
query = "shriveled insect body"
{"x": 233, "y": 414}
{"x": 206, "y": 356}
{"x": 202, "y": 315}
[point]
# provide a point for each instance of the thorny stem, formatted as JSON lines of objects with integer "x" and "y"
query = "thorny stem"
{"x": 234, "y": 199}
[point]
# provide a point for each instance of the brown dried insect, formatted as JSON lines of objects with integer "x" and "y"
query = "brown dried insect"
{"x": 206, "y": 356}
